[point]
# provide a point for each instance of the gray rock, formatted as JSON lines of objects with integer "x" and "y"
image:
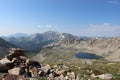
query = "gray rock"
{"x": 34, "y": 72}
{"x": 4, "y": 61}
{"x": 16, "y": 71}
{"x": 71, "y": 75}
{"x": 12, "y": 77}
{"x": 46, "y": 68}
{"x": 105, "y": 76}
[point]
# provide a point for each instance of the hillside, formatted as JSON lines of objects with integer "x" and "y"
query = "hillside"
{"x": 4, "y": 46}
{"x": 109, "y": 48}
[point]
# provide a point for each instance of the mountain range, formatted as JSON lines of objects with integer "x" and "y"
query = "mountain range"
{"x": 17, "y": 35}
{"x": 49, "y": 44}
{"x": 35, "y": 42}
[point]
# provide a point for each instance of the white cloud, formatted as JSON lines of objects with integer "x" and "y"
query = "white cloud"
{"x": 105, "y": 29}
{"x": 47, "y": 26}
{"x": 102, "y": 28}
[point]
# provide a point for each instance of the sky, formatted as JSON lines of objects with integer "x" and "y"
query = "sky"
{"x": 78, "y": 17}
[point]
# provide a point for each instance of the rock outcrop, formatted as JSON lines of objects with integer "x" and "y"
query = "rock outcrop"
{"x": 16, "y": 66}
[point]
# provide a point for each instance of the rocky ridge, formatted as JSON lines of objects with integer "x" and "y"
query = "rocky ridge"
{"x": 108, "y": 48}
{"x": 35, "y": 42}
{"x": 16, "y": 66}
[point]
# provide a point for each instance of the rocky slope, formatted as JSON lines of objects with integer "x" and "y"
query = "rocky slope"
{"x": 4, "y": 46}
{"x": 109, "y": 48}
{"x": 16, "y": 66}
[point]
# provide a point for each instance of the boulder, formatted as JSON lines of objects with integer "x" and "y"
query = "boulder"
{"x": 46, "y": 68}
{"x": 103, "y": 76}
{"x": 71, "y": 75}
{"x": 5, "y": 67}
{"x": 4, "y": 61}
{"x": 14, "y": 53}
{"x": 59, "y": 72}
{"x": 34, "y": 72}
{"x": 16, "y": 71}
{"x": 32, "y": 63}
{"x": 41, "y": 73}
{"x": 23, "y": 58}
{"x": 12, "y": 77}
{"x": 51, "y": 76}
{"x": 61, "y": 77}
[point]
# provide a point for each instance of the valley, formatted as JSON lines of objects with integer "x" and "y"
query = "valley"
{"x": 53, "y": 43}
{"x": 56, "y": 48}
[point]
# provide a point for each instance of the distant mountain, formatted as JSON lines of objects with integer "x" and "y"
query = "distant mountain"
{"x": 36, "y": 41}
{"x": 106, "y": 47}
{"x": 4, "y": 46}
{"x": 19, "y": 35}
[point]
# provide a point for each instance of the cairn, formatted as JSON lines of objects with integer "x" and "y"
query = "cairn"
{"x": 16, "y": 63}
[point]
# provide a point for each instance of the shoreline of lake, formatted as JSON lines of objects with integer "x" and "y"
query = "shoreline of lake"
{"x": 86, "y": 55}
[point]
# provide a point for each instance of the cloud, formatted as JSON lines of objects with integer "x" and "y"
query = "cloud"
{"x": 47, "y": 26}
{"x": 105, "y": 29}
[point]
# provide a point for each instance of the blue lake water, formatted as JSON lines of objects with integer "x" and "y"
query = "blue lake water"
{"x": 84, "y": 55}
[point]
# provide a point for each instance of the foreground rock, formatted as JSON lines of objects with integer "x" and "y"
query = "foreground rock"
{"x": 17, "y": 66}
{"x": 16, "y": 71}
{"x": 12, "y": 77}
{"x": 103, "y": 76}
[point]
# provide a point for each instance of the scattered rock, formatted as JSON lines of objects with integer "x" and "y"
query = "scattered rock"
{"x": 34, "y": 72}
{"x": 12, "y": 77}
{"x": 18, "y": 67}
{"x": 16, "y": 64}
{"x": 71, "y": 75}
{"x": 4, "y": 61}
{"x": 46, "y": 68}
{"x": 16, "y": 71}
{"x": 105, "y": 76}
{"x": 5, "y": 67}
